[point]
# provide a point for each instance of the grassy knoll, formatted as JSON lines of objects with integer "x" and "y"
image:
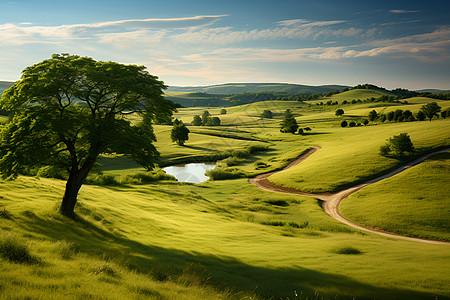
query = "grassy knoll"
{"x": 413, "y": 203}
{"x": 352, "y": 154}
{"x": 215, "y": 240}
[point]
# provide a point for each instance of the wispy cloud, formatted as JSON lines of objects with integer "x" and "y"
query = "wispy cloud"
{"x": 402, "y": 11}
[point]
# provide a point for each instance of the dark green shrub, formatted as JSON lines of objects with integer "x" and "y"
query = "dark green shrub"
{"x": 278, "y": 203}
{"x": 296, "y": 225}
{"x": 51, "y": 172}
{"x": 346, "y": 250}
{"x": 344, "y": 124}
{"x": 224, "y": 173}
{"x": 385, "y": 149}
{"x": 365, "y": 122}
{"x": 258, "y": 148}
{"x": 232, "y": 161}
{"x": 352, "y": 124}
{"x": 141, "y": 177}
{"x": 14, "y": 250}
{"x": 273, "y": 223}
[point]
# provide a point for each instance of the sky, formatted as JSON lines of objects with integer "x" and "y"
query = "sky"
{"x": 194, "y": 43}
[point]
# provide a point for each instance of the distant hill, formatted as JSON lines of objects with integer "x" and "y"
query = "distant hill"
{"x": 238, "y": 88}
{"x": 433, "y": 91}
{"x": 5, "y": 85}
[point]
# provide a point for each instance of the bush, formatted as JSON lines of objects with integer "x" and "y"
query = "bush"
{"x": 385, "y": 149}
{"x": 232, "y": 161}
{"x": 339, "y": 112}
{"x": 219, "y": 173}
{"x": 346, "y": 250}
{"x": 365, "y": 122}
{"x": 14, "y": 250}
{"x": 278, "y": 203}
{"x": 344, "y": 124}
{"x": 258, "y": 148}
{"x": 261, "y": 165}
{"x": 147, "y": 177}
{"x": 300, "y": 131}
{"x": 51, "y": 172}
{"x": 352, "y": 124}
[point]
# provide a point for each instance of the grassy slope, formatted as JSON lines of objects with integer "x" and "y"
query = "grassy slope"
{"x": 205, "y": 237}
{"x": 412, "y": 203}
{"x": 149, "y": 235}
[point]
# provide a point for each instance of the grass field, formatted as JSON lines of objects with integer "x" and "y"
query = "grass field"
{"x": 228, "y": 239}
{"x": 412, "y": 203}
{"x": 171, "y": 240}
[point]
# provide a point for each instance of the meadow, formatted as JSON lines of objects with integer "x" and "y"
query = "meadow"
{"x": 227, "y": 239}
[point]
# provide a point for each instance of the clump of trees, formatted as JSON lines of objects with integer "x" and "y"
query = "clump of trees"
{"x": 179, "y": 133}
{"x": 205, "y": 120}
{"x": 399, "y": 144}
{"x": 339, "y": 112}
{"x": 288, "y": 124}
{"x": 67, "y": 110}
{"x": 429, "y": 110}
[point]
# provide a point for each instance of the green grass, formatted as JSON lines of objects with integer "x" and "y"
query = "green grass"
{"x": 350, "y": 155}
{"x": 413, "y": 203}
{"x": 214, "y": 240}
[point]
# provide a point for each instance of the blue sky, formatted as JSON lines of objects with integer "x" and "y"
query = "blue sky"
{"x": 187, "y": 43}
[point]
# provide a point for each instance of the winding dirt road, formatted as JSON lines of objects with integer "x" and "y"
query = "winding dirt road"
{"x": 331, "y": 201}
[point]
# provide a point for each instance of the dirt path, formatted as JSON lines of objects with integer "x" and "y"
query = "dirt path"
{"x": 331, "y": 201}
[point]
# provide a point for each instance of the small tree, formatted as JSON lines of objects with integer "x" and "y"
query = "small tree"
{"x": 289, "y": 124}
{"x": 179, "y": 133}
{"x": 205, "y": 116}
{"x": 420, "y": 116}
{"x": 223, "y": 111}
{"x": 352, "y": 124}
{"x": 339, "y": 112}
{"x": 267, "y": 114}
{"x": 196, "y": 121}
{"x": 213, "y": 121}
{"x": 365, "y": 122}
{"x": 344, "y": 124}
{"x": 401, "y": 143}
{"x": 300, "y": 131}
{"x": 431, "y": 109}
{"x": 373, "y": 115}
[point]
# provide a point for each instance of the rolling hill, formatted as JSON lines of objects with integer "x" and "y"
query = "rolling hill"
{"x": 236, "y": 88}
{"x": 5, "y": 85}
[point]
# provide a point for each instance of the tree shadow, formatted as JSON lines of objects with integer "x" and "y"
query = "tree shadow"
{"x": 221, "y": 272}
{"x": 199, "y": 148}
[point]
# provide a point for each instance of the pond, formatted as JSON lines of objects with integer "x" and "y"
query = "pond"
{"x": 194, "y": 172}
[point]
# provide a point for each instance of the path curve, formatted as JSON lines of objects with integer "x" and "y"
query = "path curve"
{"x": 331, "y": 201}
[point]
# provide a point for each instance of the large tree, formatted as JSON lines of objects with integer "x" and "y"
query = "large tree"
{"x": 179, "y": 133}
{"x": 68, "y": 109}
{"x": 431, "y": 109}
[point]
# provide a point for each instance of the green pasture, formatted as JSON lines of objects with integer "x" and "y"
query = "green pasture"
{"x": 214, "y": 240}
{"x": 351, "y": 155}
{"x": 414, "y": 202}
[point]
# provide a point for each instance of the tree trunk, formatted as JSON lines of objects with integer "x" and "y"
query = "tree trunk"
{"x": 73, "y": 185}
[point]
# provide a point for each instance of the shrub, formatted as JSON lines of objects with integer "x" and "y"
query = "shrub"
{"x": 365, "y": 122}
{"x": 141, "y": 177}
{"x": 261, "y": 165}
{"x": 296, "y": 225}
{"x": 421, "y": 115}
{"x": 401, "y": 143}
{"x": 352, "y": 124}
{"x": 382, "y": 118}
{"x": 258, "y": 148}
{"x": 14, "y": 250}
{"x": 232, "y": 161}
{"x": 346, "y": 250}
{"x": 223, "y": 111}
{"x": 278, "y": 203}
{"x": 219, "y": 173}
{"x": 339, "y": 112}
{"x": 344, "y": 124}
{"x": 51, "y": 172}
{"x": 385, "y": 149}
{"x": 273, "y": 223}
{"x": 300, "y": 131}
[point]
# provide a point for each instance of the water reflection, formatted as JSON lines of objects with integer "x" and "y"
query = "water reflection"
{"x": 194, "y": 172}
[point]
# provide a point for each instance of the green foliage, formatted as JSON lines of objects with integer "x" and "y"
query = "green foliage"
{"x": 346, "y": 250}
{"x": 213, "y": 121}
{"x": 196, "y": 121}
{"x": 385, "y": 149}
{"x": 365, "y": 122}
{"x": 344, "y": 123}
{"x": 401, "y": 143}
{"x": 205, "y": 116}
{"x": 373, "y": 115}
{"x": 179, "y": 134}
{"x": 421, "y": 115}
{"x": 289, "y": 124}
{"x": 339, "y": 112}
{"x": 223, "y": 111}
{"x": 431, "y": 109}
{"x": 69, "y": 109}
{"x": 267, "y": 114}
{"x": 219, "y": 173}
{"x": 352, "y": 124}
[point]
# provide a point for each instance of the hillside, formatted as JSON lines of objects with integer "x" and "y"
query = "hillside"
{"x": 236, "y": 88}
{"x": 5, "y": 85}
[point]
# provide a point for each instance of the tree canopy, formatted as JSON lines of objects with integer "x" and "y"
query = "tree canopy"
{"x": 179, "y": 133}
{"x": 288, "y": 124}
{"x": 68, "y": 109}
{"x": 431, "y": 109}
